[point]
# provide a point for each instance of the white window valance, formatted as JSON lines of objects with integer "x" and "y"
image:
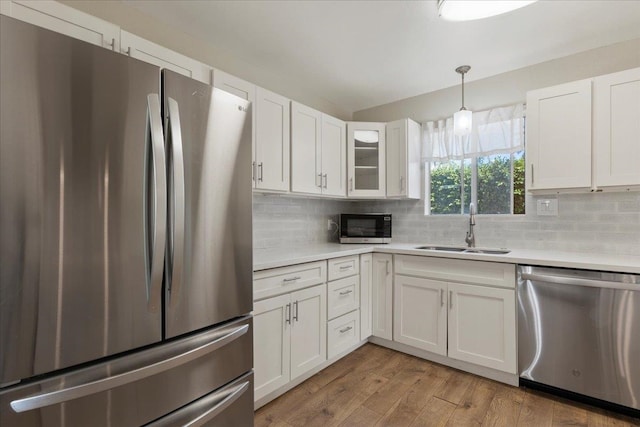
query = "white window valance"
{"x": 499, "y": 130}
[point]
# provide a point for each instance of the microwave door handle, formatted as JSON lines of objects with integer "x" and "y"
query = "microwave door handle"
{"x": 155, "y": 229}
{"x": 176, "y": 252}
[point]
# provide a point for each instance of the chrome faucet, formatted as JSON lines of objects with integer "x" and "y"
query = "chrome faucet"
{"x": 471, "y": 238}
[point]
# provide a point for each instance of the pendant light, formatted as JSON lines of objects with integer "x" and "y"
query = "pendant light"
{"x": 462, "y": 119}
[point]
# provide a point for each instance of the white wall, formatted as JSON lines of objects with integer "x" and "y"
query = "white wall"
{"x": 132, "y": 20}
{"x": 596, "y": 223}
{"x": 508, "y": 88}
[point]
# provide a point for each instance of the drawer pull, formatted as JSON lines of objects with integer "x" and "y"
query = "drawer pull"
{"x": 347, "y": 329}
{"x": 346, "y": 292}
{"x": 346, "y": 267}
{"x": 292, "y": 279}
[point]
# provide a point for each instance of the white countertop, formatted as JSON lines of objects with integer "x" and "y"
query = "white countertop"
{"x": 271, "y": 258}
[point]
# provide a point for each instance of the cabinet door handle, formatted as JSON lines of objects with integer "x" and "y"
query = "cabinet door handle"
{"x": 346, "y": 292}
{"x": 401, "y": 183}
{"x": 295, "y": 311}
{"x": 319, "y": 176}
{"x": 261, "y": 170}
{"x": 347, "y": 329}
{"x": 441, "y": 297}
{"x": 350, "y": 184}
{"x": 291, "y": 279}
{"x": 451, "y": 299}
{"x": 532, "y": 175}
{"x": 325, "y": 180}
{"x": 287, "y": 314}
{"x": 387, "y": 267}
{"x": 253, "y": 171}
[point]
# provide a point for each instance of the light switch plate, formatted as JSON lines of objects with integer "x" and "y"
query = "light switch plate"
{"x": 547, "y": 207}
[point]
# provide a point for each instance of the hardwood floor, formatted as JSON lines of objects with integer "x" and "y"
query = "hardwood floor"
{"x": 376, "y": 386}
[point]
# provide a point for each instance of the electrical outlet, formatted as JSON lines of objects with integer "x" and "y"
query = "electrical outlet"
{"x": 547, "y": 207}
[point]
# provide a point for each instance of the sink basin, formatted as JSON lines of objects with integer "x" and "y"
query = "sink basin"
{"x": 488, "y": 251}
{"x": 441, "y": 248}
{"x": 465, "y": 250}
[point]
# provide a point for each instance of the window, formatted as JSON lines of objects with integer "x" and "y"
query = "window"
{"x": 485, "y": 168}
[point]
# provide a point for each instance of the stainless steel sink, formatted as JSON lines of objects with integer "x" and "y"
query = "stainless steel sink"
{"x": 487, "y": 251}
{"x": 441, "y": 248}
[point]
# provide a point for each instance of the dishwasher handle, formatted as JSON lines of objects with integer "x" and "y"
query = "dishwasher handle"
{"x": 577, "y": 281}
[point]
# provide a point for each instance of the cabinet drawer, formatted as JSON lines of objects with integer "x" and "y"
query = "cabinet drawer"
{"x": 344, "y": 267}
{"x": 344, "y": 296}
{"x": 276, "y": 281}
{"x": 477, "y": 272}
{"x": 342, "y": 333}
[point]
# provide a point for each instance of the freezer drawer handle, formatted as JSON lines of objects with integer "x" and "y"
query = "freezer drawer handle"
{"x": 225, "y": 397}
{"x": 575, "y": 281}
{"x": 75, "y": 392}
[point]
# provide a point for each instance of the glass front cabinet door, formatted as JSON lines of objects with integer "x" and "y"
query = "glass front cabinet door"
{"x": 366, "y": 159}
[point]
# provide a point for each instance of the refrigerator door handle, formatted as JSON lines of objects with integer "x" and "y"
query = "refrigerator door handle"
{"x": 220, "y": 401}
{"x": 157, "y": 240}
{"x": 109, "y": 382}
{"x": 176, "y": 239}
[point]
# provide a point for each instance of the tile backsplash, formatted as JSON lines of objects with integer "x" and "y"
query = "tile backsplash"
{"x": 597, "y": 223}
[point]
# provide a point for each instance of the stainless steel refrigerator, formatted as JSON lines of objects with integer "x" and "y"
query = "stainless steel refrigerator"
{"x": 125, "y": 240}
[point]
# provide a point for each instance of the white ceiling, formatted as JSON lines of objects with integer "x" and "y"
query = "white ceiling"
{"x": 359, "y": 54}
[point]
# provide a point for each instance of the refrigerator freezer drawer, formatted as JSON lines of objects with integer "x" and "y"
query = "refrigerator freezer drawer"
{"x": 232, "y": 405}
{"x": 135, "y": 389}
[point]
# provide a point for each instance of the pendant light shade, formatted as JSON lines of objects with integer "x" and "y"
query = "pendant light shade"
{"x": 462, "y": 120}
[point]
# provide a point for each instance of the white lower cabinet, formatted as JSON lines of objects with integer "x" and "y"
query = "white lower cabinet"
{"x": 474, "y": 323}
{"x": 290, "y": 337}
{"x": 366, "y": 306}
{"x": 420, "y": 313}
{"x": 271, "y": 344}
{"x": 382, "y": 295}
{"x": 343, "y": 333}
{"x": 482, "y": 326}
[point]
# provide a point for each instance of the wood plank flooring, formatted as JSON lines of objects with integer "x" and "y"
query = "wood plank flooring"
{"x": 376, "y": 386}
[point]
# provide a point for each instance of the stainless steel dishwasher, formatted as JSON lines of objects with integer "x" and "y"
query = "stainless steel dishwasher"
{"x": 579, "y": 331}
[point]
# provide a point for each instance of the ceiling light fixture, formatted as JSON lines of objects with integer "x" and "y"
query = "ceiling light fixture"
{"x": 462, "y": 119}
{"x": 468, "y": 10}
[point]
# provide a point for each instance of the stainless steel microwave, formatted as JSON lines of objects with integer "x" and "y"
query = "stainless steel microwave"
{"x": 365, "y": 228}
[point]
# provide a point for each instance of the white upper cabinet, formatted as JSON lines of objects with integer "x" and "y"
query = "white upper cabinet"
{"x": 272, "y": 141}
{"x": 558, "y": 149}
{"x": 245, "y": 90}
{"x": 144, "y": 50}
{"x": 318, "y": 152}
{"x": 366, "y": 159}
{"x": 334, "y": 156}
{"x": 403, "y": 159}
{"x": 306, "y": 149}
{"x": 65, "y": 20}
{"x": 616, "y": 129}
